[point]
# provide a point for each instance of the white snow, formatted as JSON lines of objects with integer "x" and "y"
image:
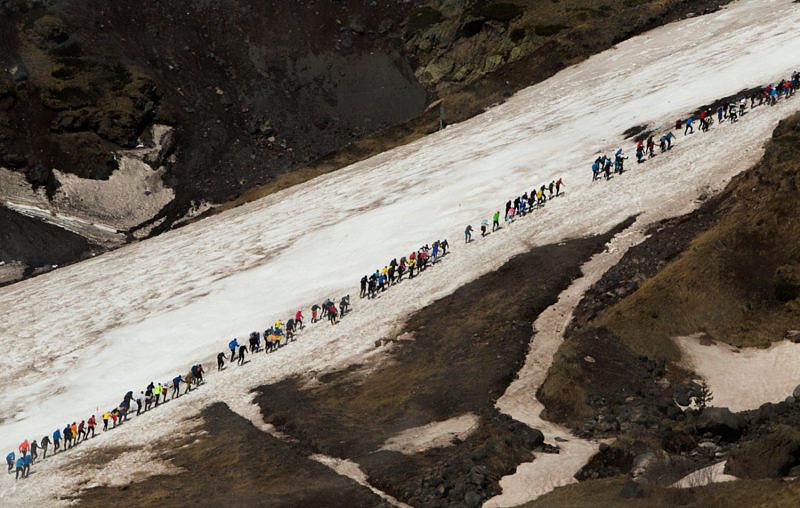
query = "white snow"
{"x": 744, "y": 378}
{"x": 548, "y": 471}
{"x": 432, "y": 435}
{"x": 715, "y": 473}
{"x": 79, "y": 337}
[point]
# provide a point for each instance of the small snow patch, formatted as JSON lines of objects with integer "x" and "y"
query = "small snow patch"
{"x": 705, "y": 476}
{"x": 745, "y": 378}
{"x": 432, "y": 435}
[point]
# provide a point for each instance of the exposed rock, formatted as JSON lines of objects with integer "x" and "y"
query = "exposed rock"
{"x": 720, "y": 421}
{"x": 492, "y": 63}
{"x": 770, "y": 456}
{"x": 439, "y": 68}
{"x": 609, "y": 461}
{"x": 641, "y": 462}
{"x": 792, "y": 335}
{"x": 472, "y": 498}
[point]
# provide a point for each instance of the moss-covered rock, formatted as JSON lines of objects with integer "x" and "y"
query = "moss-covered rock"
{"x": 771, "y": 456}
{"x": 438, "y": 69}
{"x": 492, "y": 63}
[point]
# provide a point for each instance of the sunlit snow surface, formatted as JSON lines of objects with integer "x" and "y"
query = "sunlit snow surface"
{"x": 83, "y": 335}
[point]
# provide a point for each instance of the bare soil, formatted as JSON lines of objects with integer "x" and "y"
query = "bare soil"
{"x": 235, "y": 464}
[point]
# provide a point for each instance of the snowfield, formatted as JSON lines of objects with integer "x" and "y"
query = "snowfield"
{"x": 78, "y": 338}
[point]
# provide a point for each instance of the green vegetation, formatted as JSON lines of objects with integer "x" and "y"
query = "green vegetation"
{"x": 704, "y": 396}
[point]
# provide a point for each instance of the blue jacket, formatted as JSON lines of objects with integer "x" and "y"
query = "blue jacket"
{"x": 177, "y": 380}
{"x": 20, "y": 463}
{"x": 28, "y": 460}
{"x": 56, "y": 435}
{"x": 10, "y": 458}
{"x": 233, "y": 344}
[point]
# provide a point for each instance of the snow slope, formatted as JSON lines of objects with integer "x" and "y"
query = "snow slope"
{"x": 83, "y": 335}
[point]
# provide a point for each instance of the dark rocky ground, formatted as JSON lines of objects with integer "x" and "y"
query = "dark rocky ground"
{"x": 269, "y": 94}
{"x": 37, "y": 241}
{"x": 235, "y": 464}
{"x": 463, "y": 352}
{"x": 725, "y": 270}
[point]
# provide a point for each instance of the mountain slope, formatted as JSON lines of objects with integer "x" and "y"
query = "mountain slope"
{"x": 261, "y": 96}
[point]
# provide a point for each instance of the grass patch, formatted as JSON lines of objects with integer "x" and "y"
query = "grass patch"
{"x": 769, "y": 456}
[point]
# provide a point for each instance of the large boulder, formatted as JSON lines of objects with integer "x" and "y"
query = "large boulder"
{"x": 720, "y": 421}
{"x": 770, "y": 456}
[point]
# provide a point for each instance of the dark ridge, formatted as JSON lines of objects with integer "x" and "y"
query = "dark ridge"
{"x": 36, "y": 242}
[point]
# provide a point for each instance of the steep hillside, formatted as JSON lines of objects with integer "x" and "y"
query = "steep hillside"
{"x": 259, "y": 96}
{"x": 42, "y": 244}
{"x": 727, "y": 273}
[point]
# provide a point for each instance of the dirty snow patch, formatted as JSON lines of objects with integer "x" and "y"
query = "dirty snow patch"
{"x": 744, "y": 378}
{"x": 432, "y": 435}
{"x": 715, "y": 473}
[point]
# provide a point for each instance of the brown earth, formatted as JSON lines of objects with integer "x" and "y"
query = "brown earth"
{"x": 609, "y": 492}
{"x": 465, "y": 349}
{"x": 235, "y": 464}
{"x": 739, "y": 280}
{"x": 727, "y": 270}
